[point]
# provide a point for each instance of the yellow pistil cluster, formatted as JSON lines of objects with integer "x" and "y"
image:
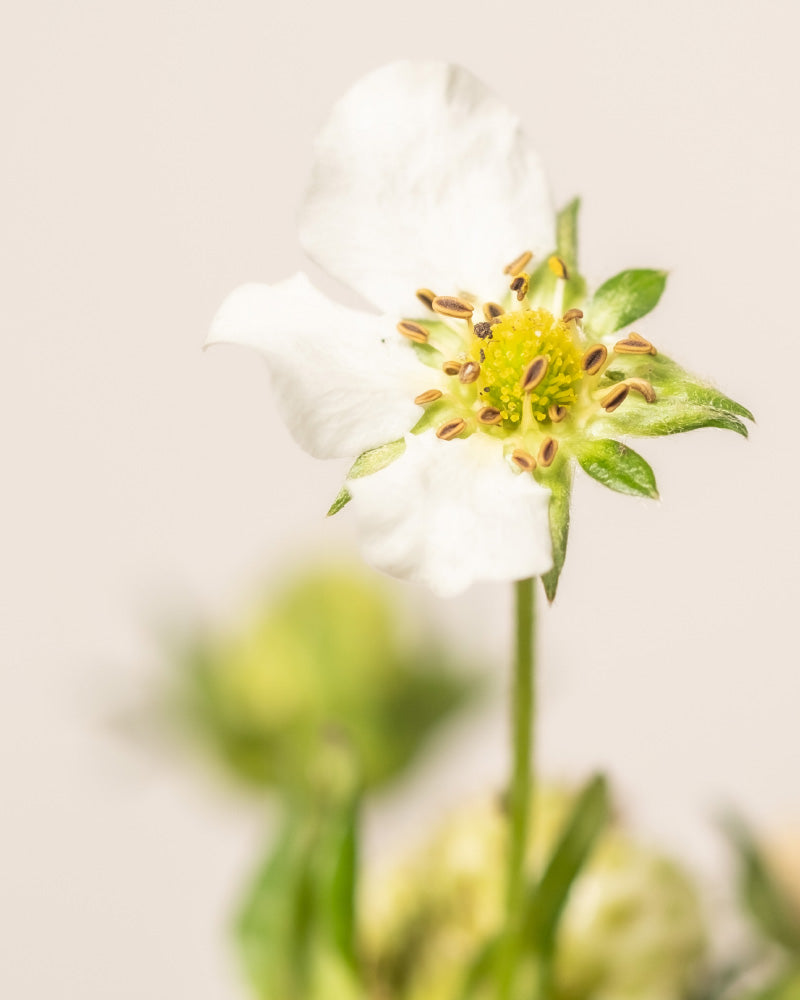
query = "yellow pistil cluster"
{"x": 506, "y": 350}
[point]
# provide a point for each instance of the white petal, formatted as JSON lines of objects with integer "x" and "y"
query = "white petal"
{"x": 449, "y": 513}
{"x": 423, "y": 178}
{"x": 344, "y": 379}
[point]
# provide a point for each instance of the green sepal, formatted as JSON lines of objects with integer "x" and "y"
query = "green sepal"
{"x": 368, "y": 462}
{"x": 546, "y": 900}
{"x": 543, "y": 282}
{"x": 618, "y": 467}
{"x": 343, "y": 498}
{"x": 559, "y": 482}
{"x": 428, "y": 355}
{"x": 683, "y": 402}
{"x": 567, "y": 234}
{"x": 623, "y": 299}
{"x": 770, "y": 907}
{"x": 435, "y": 414}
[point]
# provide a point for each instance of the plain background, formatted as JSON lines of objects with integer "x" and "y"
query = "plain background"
{"x": 154, "y": 156}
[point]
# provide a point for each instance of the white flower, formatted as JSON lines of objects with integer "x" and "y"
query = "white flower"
{"x": 467, "y": 397}
{"x": 422, "y": 179}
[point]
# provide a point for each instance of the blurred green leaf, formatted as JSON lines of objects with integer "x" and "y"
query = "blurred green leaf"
{"x": 618, "y": 467}
{"x": 543, "y": 282}
{"x": 329, "y": 651}
{"x": 587, "y": 821}
{"x": 623, "y": 299}
{"x": 567, "y": 233}
{"x": 768, "y": 905}
{"x": 296, "y": 928}
{"x": 559, "y": 481}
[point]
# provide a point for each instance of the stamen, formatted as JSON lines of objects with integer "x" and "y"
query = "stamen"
{"x": 520, "y": 285}
{"x": 558, "y": 267}
{"x": 426, "y": 297}
{"x": 470, "y": 372}
{"x": 572, "y": 314}
{"x": 451, "y": 429}
{"x": 547, "y": 451}
{"x": 483, "y": 330}
{"x": 534, "y": 373}
{"x": 594, "y": 359}
{"x": 556, "y": 413}
{"x": 519, "y": 263}
{"x": 451, "y": 305}
{"x": 451, "y": 367}
{"x": 634, "y": 344}
{"x": 428, "y": 397}
{"x": 615, "y": 397}
{"x": 492, "y": 310}
{"x": 523, "y": 460}
{"x": 413, "y": 331}
{"x": 489, "y": 415}
{"x": 643, "y": 387}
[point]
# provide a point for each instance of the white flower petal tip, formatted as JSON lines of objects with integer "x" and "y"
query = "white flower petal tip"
{"x": 423, "y": 178}
{"x": 344, "y": 381}
{"x": 451, "y": 513}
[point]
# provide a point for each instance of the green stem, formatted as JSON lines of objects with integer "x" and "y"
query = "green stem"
{"x": 523, "y": 702}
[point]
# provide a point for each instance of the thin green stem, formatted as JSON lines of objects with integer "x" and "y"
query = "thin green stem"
{"x": 523, "y": 703}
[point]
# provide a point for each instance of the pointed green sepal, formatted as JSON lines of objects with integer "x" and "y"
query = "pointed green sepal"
{"x": 683, "y": 401}
{"x": 618, "y": 467}
{"x": 368, "y": 462}
{"x": 559, "y": 481}
{"x": 623, "y": 299}
{"x": 543, "y": 282}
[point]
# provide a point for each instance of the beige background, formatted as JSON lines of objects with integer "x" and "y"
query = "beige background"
{"x": 154, "y": 157}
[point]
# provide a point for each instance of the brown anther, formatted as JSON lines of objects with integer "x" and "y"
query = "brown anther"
{"x": 451, "y": 429}
{"x": 572, "y": 314}
{"x": 534, "y": 373}
{"x": 483, "y": 330}
{"x": 614, "y": 397}
{"x": 451, "y": 305}
{"x": 414, "y": 331}
{"x": 492, "y": 311}
{"x": 520, "y": 285}
{"x": 470, "y": 372}
{"x": 643, "y": 387}
{"x": 428, "y": 397}
{"x": 634, "y": 344}
{"x": 547, "y": 451}
{"x": 556, "y": 413}
{"x": 523, "y": 460}
{"x": 451, "y": 367}
{"x": 594, "y": 359}
{"x": 489, "y": 415}
{"x": 558, "y": 267}
{"x": 426, "y": 297}
{"x": 518, "y": 264}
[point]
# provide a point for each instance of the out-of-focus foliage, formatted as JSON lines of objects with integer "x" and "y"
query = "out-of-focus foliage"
{"x": 329, "y": 653}
{"x": 632, "y": 927}
{"x": 296, "y": 931}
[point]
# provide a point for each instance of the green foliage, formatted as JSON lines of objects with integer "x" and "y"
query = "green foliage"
{"x": 618, "y": 467}
{"x": 543, "y": 282}
{"x": 588, "y": 819}
{"x": 559, "y": 482}
{"x": 623, "y": 299}
{"x": 775, "y": 915}
{"x": 327, "y": 653}
{"x": 296, "y": 928}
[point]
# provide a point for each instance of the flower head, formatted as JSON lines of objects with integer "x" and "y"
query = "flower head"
{"x": 489, "y": 369}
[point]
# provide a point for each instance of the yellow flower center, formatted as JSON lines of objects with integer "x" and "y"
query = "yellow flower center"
{"x": 505, "y": 351}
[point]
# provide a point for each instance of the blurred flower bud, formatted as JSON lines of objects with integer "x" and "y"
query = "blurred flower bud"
{"x": 632, "y": 928}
